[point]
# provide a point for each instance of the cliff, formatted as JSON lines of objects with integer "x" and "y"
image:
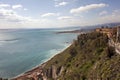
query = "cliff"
{"x": 88, "y": 58}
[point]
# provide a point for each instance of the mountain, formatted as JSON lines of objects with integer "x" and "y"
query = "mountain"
{"x": 100, "y": 25}
{"x": 90, "y": 28}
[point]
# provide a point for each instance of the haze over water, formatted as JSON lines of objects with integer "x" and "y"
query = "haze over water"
{"x": 21, "y": 50}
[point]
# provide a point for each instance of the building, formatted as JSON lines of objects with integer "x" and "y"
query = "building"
{"x": 109, "y": 31}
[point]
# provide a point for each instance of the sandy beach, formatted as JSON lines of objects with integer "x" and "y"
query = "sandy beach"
{"x": 31, "y": 73}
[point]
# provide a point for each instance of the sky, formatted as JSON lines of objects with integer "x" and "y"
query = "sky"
{"x": 57, "y": 13}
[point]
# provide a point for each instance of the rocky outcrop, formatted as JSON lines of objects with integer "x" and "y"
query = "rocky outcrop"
{"x": 53, "y": 72}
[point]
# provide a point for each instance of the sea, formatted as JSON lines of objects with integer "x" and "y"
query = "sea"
{"x": 23, "y": 49}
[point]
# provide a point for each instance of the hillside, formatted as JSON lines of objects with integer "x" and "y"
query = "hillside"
{"x": 88, "y": 58}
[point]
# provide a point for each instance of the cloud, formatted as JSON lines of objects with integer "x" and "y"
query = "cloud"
{"x": 4, "y": 5}
{"x": 11, "y": 16}
{"x": 18, "y": 6}
{"x": 56, "y": 0}
{"x": 87, "y": 8}
{"x": 6, "y": 12}
{"x": 113, "y": 17}
{"x": 108, "y": 18}
{"x": 50, "y": 14}
{"x": 25, "y": 9}
{"x": 103, "y": 13}
{"x": 61, "y": 4}
{"x": 65, "y": 17}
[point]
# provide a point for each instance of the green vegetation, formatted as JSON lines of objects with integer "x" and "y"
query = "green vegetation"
{"x": 88, "y": 58}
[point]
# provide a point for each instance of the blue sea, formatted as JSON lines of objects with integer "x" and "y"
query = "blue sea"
{"x": 23, "y": 49}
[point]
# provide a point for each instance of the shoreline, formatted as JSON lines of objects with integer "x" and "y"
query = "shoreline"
{"x": 71, "y": 31}
{"x": 39, "y": 66}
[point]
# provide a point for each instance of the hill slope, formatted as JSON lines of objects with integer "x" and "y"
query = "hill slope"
{"x": 88, "y": 58}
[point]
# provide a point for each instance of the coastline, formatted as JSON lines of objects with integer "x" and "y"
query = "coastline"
{"x": 39, "y": 67}
{"x": 72, "y": 31}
